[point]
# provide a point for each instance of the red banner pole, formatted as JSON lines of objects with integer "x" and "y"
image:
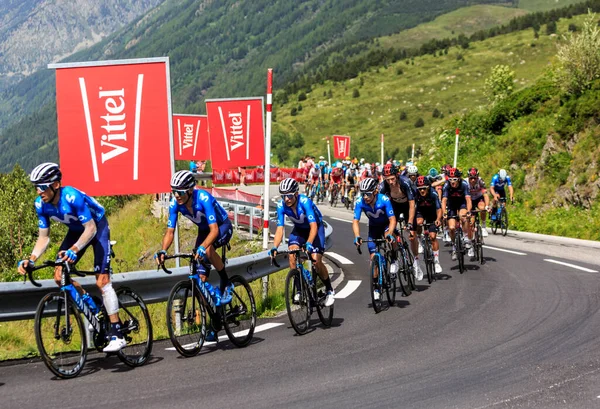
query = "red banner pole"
{"x": 266, "y": 198}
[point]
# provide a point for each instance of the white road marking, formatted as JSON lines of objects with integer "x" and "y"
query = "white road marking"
{"x": 338, "y": 257}
{"x": 350, "y": 287}
{"x": 260, "y": 328}
{"x": 506, "y": 251}
{"x": 341, "y": 220}
{"x": 587, "y": 270}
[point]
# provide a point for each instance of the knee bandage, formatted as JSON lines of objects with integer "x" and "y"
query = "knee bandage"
{"x": 111, "y": 302}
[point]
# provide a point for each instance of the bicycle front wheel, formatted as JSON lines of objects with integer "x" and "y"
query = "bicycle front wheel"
{"x": 460, "y": 252}
{"x": 376, "y": 288}
{"x": 479, "y": 248}
{"x": 186, "y": 318}
{"x": 428, "y": 256}
{"x": 240, "y": 314}
{"x": 60, "y": 336}
{"x": 320, "y": 294}
{"x": 404, "y": 273}
{"x": 504, "y": 221}
{"x": 389, "y": 284}
{"x": 136, "y": 327}
{"x": 297, "y": 301}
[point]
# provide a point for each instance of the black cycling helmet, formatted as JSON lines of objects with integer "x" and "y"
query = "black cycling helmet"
{"x": 288, "y": 186}
{"x": 45, "y": 173}
{"x": 183, "y": 180}
{"x": 367, "y": 185}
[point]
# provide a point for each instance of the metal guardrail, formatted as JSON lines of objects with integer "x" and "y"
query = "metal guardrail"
{"x": 19, "y": 300}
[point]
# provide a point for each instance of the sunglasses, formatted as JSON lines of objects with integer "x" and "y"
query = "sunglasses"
{"x": 453, "y": 179}
{"x": 42, "y": 187}
{"x": 289, "y": 196}
{"x": 422, "y": 189}
{"x": 179, "y": 192}
{"x": 368, "y": 194}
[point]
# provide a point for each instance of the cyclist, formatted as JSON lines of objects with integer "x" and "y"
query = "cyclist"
{"x": 401, "y": 195}
{"x": 350, "y": 180}
{"x": 456, "y": 201}
{"x": 382, "y": 221}
{"x": 314, "y": 175}
{"x": 429, "y": 210}
{"x": 214, "y": 229}
{"x": 308, "y": 230}
{"x": 479, "y": 197}
{"x": 499, "y": 181}
{"x": 87, "y": 227}
{"x": 336, "y": 177}
{"x": 412, "y": 173}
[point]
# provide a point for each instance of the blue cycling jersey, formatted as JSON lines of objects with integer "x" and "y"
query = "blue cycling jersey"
{"x": 73, "y": 209}
{"x": 306, "y": 213}
{"x": 379, "y": 214}
{"x": 206, "y": 209}
{"x": 499, "y": 184}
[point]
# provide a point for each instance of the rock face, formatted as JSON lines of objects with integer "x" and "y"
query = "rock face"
{"x": 34, "y": 33}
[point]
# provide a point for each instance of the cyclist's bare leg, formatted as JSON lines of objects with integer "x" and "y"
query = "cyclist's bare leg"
{"x": 292, "y": 257}
{"x": 321, "y": 269}
{"x": 451, "y": 228}
{"x": 465, "y": 222}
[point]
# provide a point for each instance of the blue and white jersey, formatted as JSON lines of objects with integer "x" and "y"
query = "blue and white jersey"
{"x": 499, "y": 184}
{"x": 74, "y": 208}
{"x": 378, "y": 215}
{"x": 206, "y": 210}
{"x": 306, "y": 213}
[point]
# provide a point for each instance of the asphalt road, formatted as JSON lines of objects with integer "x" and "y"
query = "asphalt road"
{"x": 519, "y": 331}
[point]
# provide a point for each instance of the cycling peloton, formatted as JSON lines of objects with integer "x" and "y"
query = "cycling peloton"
{"x": 308, "y": 230}
{"x": 479, "y": 198}
{"x": 456, "y": 202}
{"x": 87, "y": 227}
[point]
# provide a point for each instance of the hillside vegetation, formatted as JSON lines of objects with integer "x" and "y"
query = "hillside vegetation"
{"x": 216, "y": 49}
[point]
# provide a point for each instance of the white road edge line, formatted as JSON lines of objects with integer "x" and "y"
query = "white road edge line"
{"x": 349, "y": 288}
{"x": 504, "y": 250}
{"x": 587, "y": 270}
{"x": 260, "y": 328}
{"x": 338, "y": 257}
{"x": 341, "y": 220}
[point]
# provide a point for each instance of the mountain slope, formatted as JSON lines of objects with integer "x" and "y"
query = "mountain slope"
{"x": 34, "y": 33}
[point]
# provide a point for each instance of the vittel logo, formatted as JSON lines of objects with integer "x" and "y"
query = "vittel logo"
{"x": 112, "y": 137}
{"x": 188, "y": 134}
{"x": 236, "y": 127}
{"x": 342, "y": 144}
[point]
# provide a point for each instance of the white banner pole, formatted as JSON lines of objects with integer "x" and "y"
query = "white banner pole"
{"x": 328, "y": 152}
{"x": 266, "y": 198}
{"x": 456, "y": 148}
{"x": 382, "y": 162}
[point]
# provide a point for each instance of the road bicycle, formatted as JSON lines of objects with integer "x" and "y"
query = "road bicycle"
{"x": 500, "y": 219}
{"x": 406, "y": 259}
{"x": 320, "y": 193}
{"x": 349, "y": 201}
{"x": 305, "y": 291}
{"x": 459, "y": 243}
{"x": 192, "y": 303}
{"x": 381, "y": 277}
{"x": 478, "y": 237}
{"x": 60, "y": 333}
{"x": 334, "y": 195}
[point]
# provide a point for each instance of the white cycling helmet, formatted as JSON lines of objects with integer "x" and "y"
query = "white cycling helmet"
{"x": 339, "y": 165}
{"x": 502, "y": 174}
{"x": 367, "y": 185}
{"x": 412, "y": 170}
{"x": 45, "y": 173}
{"x": 183, "y": 179}
{"x": 288, "y": 186}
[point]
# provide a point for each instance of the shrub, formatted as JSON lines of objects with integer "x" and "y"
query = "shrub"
{"x": 403, "y": 116}
{"x": 436, "y": 113}
{"x": 355, "y": 93}
{"x": 419, "y": 123}
{"x": 302, "y": 96}
{"x": 499, "y": 84}
{"x": 294, "y": 112}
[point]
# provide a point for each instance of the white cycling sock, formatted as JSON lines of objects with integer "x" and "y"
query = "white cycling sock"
{"x": 111, "y": 302}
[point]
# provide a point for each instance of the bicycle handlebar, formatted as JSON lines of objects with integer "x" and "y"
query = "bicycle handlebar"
{"x": 47, "y": 264}
{"x": 189, "y": 256}
{"x": 372, "y": 241}
{"x": 296, "y": 252}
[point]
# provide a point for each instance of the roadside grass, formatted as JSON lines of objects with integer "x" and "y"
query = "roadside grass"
{"x": 139, "y": 235}
{"x": 452, "y": 84}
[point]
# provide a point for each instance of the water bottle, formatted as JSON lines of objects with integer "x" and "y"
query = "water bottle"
{"x": 214, "y": 293}
{"x": 90, "y": 303}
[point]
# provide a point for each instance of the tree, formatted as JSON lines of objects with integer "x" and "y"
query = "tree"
{"x": 551, "y": 27}
{"x": 499, "y": 84}
{"x": 419, "y": 123}
{"x": 302, "y": 96}
{"x": 294, "y": 112}
{"x": 402, "y": 115}
{"x": 436, "y": 113}
{"x": 355, "y": 93}
{"x": 579, "y": 58}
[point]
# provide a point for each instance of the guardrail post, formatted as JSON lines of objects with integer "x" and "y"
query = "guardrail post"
{"x": 251, "y": 223}
{"x": 235, "y": 216}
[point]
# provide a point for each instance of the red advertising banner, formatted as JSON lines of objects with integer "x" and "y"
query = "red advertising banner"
{"x": 190, "y": 137}
{"x": 236, "y": 130}
{"x": 341, "y": 146}
{"x": 114, "y": 126}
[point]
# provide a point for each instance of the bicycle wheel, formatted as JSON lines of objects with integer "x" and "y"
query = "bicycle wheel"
{"x": 494, "y": 224}
{"x": 410, "y": 262}
{"x": 428, "y": 256}
{"x": 186, "y": 318}
{"x": 60, "y": 336}
{"x": 389, "y": 284}
{"x": 375, "y": 286}
{"x": 136, "y": 328}
{"x": 460, "y": 253}
{"x": 240, "y": 313}
{"x": 479, "y": 248}
{"x": 404, "y": 273}
{"x": 320, "y": 293}
{"x": 297, "y": 301}
{"x": 504, "y": 221}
